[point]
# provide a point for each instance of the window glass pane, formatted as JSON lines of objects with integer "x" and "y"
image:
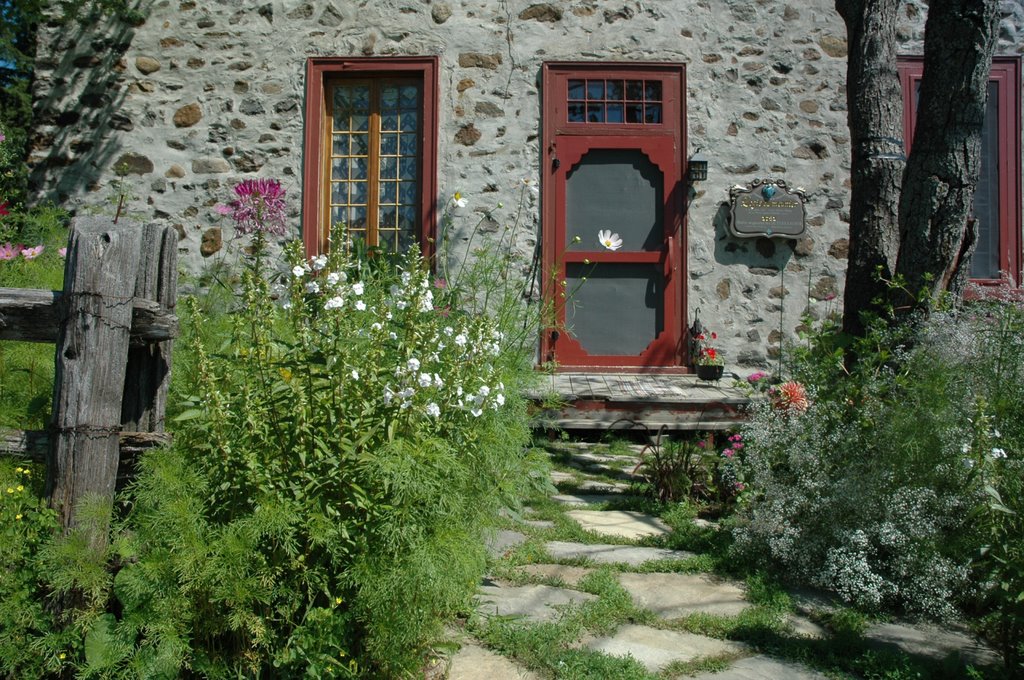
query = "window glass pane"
{"x": 652, "y": 91}
{"x": 388, "y": 216}
{"x": 357, "y": 218}
{"x": 340, "y": 146}
{"x": 985, "y": 261}
{"x": 614, "y": 89}
{"x": 576, "y": 89}
{"x": 595, "y": 89}
{"x": 389, "y": 122}
{"x": 358, "y": 194}
{"x": 388, "y": 97}
{"x": 388, "y": 167}
{"x": 652, "y": 114}
{"x": 595, "y": 113}
{"x": 577, "y": 113}
{"x": 618, "y": 310}
{"x": 635, "y": 113}
{"x": 389, "y": 144}
{"x": 339, "y": 192}
{"x": 408, "y": 168}
{"x": 360, "y": 122}
{"x": 614, "y": 113}
{"x": 619, "y": 190}
{"x": 409, "y": 97}
{"x": 360, "y": 144}
{"x": 357, "y": 167}
{"x": 339, "y": 168}
{"x": 635, "y": 90}
{"x": 409, "y": 120}
{"x": 407, "y": 193}
{"x": 388, "y": 192}
{"x": 338, "y": 216}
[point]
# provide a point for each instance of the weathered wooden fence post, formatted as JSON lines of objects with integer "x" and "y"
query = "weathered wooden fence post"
{"x": 92, "y": 346}
{"x": 148, "y": 374}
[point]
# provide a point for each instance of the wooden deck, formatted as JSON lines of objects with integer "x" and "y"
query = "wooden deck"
{"x": 587, "y": 401}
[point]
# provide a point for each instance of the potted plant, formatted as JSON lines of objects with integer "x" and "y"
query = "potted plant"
{"x": 709, "y": 361}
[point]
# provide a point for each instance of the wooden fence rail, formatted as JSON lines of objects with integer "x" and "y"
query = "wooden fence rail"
{"x": 113, "y": 325}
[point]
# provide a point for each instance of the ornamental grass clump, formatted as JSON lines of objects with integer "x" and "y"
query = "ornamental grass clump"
{"x": 339, "y": 456}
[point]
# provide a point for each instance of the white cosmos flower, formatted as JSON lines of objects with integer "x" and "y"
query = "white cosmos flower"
{"x": 609, "y": 240}
{"x": 531, "y": 185}
{"x": 458, "y": 200}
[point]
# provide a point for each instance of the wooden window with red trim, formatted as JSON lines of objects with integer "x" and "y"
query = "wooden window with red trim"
{"x": 371, "y": 152}
{"x": 997, "y": 199}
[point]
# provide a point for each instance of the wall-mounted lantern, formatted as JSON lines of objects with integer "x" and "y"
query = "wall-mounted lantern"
{"x": 697, "y": 168}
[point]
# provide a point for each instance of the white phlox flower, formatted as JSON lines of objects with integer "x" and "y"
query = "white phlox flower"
{"x": 413, "y": 364}
{"x": 448, "y": 330}
{"x": 998, "y": 453}
{"x": 376, "y": 326}
{"x": 427, "y": 302}
{"x": 461, "y": 340}
{"x": 298, "y": 270}
{"x": 361, "y": 306}
{"x": 355, "y": 374}
{"x": 319, "y": 262}
{"x": 425, "y": 380}
{"x": 335, "y": 302}
{"x": 433, "y": 410}
{"x": 333, "y": 278}
{"x": 358, "y": 288}
{"x": 313, "y": 287}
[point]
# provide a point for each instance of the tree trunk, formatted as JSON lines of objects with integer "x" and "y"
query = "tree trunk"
{"x": 875, "y": 115}
{"x": 936, "y": 235}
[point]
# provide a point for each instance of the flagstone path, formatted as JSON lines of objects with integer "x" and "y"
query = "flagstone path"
{"x": 593, "y": 487}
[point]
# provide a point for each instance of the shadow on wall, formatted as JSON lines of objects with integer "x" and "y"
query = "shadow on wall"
{"x": 763, "y": 256}
{"x": 80, "y": 89}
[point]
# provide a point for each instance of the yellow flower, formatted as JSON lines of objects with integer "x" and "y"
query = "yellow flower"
{"x": 17, "y": 469}
{"x": 10, "y": 490}
{"x": 21, "y": 488}
{"x": 18, "y": 517}
{"x": 337, "y": 600}
{"x": 62, "y": 656}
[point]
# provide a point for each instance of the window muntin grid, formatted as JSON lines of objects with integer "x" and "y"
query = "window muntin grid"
{"x": 614, "y": 101}
{"x": 375, "y": 160}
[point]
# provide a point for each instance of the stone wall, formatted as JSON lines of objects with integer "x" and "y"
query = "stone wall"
{"x": 201, "y": 95}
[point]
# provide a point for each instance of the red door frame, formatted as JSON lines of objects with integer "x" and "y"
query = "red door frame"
{"x": 664, "y": 144}
{"x": 1006, "y": 72}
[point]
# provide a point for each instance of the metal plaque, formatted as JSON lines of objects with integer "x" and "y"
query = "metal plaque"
{"x": 767, "y": 208}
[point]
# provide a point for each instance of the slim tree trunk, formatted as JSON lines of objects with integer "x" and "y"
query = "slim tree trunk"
{"x": 936, "y": 235}
{"x": 874, "y": 104}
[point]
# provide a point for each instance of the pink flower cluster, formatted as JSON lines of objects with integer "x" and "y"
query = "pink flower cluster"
{"x": 10, "y": 251}
{"x": 260, "y": 207}
{"x": 735, "y": 444}
{"x": 756, "y": 377}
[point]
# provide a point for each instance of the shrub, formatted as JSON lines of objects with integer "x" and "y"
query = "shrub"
{"x": 867, "y": 489}
{"x": 337, "y": 462}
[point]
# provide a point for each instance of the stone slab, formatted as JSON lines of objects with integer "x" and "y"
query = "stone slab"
{"x": 534, "y": 602}
{"x": 539, "y": 523}
{"x": 932, "y": 642}
{"x": 602, "y": 553}
{"x": 672, "y": 596}
{"x": 763, "y": 668}
{"x": 620, "y": 523}
{"x": 573, "y": 498}
{"x": 503, "y": 541}
{"x": 557, "y": 477}
{"x": 569, "y": 575}
{"x": 473, "y": 662}
{"x": 804, "y": 627}
{"x": 656, "y": 648}
{"x": 602, "y": 487}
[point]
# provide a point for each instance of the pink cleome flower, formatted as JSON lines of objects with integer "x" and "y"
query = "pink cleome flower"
{"x": 9, "y": 251}
{"x": 259, "y": 207}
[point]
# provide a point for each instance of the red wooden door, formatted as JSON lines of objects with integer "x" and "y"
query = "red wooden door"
{"x": 613, "y": 143}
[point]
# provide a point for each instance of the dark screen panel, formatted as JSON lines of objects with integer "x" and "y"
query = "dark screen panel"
{"x": 618, "y": 310}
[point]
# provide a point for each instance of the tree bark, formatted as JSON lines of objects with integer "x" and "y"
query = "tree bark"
{"x": 875, "y": 116}
{"x": 936, "y": 235}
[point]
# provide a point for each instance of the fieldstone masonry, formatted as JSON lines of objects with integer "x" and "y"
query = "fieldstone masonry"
{"x": 201, "y": 95}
